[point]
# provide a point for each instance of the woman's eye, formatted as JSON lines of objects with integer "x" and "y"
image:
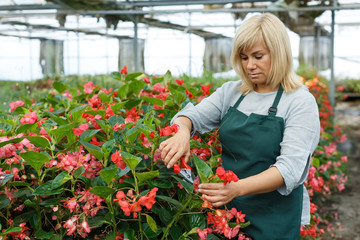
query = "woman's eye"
{"x": 243, "y": 58}
{"x": 258, "y": 57}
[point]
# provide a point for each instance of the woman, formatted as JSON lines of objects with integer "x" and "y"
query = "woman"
{"x": 269, "y": 127}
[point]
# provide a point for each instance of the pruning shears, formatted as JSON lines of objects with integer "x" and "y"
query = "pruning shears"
{"x": 184, "y": 171}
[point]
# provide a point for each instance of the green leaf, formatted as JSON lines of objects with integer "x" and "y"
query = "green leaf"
{"x": 212, "y": 237}
{"x": 170, "y": 200}
{"x": 5, "y": 178}
{"x": 121, "y": 172}
{"x": 130, "y": 234}
{"x": 149, "y": 232}
{"x": 59, "y": 120}
{"x": 175, "y": 232}
{"x": 57, "y": 237}
{"x": 132, "y": 76}
{"x": 104, "y": 126}
{"x": 60, "y": 87}
{"x": 76, "y": 113}
{"x": 4, "y": 203}
{"x": 188, "y": 186}
{"x": 80, "y": 170}
{"x": 197, "y": 220}
{"x": 103, "y": 97}
{"x": 136, "y": 86}
{"x": 14, "y": 140}
{"x": 60, "y": 179}
{"x": 315, "y": 162}
{"x": 103, "y": 192}
{"x": 97, "y": 112}
{"x": 93, "y": 150}
{"x": 88, "y": 134}
{"x": 132, "y": 134}
{"x": 116, "y": 119}
{"x": 46, "y": 189}
{"x": 38, "y": 141}
{"x": 19, "y": 184}
{"x": 151, "y": 223}
{"x": 123, "y": 91}
{"x": 59, "y": 133}
{"x": 108, "y": 174}
{"x": 152, "y": 100}
{"x": 132, "y": 103}
{"x": 116, "y": 75}
{"x": 130, "y": 160}
{"x": 26, "y": 127}
{"x": 168, "y": 77}
{"x": 41, "y": 234}
{"x": 35, "y": 159}
{"x": 192, "y": 231}
{"x": 161, "y": 183}
{"x": 51, "y": 201}
{"x": 142, "y": 177}
{"x": 10, "y": 230}
{"x": 96, "y": 221}
{"x": 204, "y": 170}
{"x": 30, "y": 203}
{"x": 107, "y": 148}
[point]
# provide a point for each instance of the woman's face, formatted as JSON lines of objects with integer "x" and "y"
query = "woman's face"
{"x": 256, "y": 64}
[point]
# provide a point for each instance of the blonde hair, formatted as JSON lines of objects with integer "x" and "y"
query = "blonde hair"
{"x": 269, "y": 30}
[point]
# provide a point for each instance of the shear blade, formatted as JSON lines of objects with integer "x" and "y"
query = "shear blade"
{"x": 186, "y": 175}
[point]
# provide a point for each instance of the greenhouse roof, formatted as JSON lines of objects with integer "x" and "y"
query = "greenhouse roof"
{"x": 204, "y": 18}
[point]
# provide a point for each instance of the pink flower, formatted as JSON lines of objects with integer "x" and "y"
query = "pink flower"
{"x": 205, "y": 89}
{"x": 179, "y": 81}
{"x": 124, "y": 70}
{"x": 146, "y": 79}
{"x": 149, "y": 199}
{"x": 70, "y": 225}
{"x": 14, "y": 105}
{"x": 227, "y": 176}
{"x": 89, "y": 87}
{"x": 118, "y": 127}
{"x": 29, "y": 118}
{"x": 78, "y": 131}
{"x": 117, "y": 158}
{"x": 203, "y": 233}
{"x": 71, "y": 204}
{"x": 85, "y": 226}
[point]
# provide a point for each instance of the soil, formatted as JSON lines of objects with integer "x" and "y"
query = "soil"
{"x": 345, "y": 206}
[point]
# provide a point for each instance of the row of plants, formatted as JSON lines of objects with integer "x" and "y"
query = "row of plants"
{"x": 83, "y": 162}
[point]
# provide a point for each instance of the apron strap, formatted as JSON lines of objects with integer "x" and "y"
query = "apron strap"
{"x": 273, "y": 108}
{"x": 239, "y": 101}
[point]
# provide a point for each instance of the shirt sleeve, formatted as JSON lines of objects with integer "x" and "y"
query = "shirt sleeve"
{"x": 301, "y": 136}
{"x": 206, "y": 115}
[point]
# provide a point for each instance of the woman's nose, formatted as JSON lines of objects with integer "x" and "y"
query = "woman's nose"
{"x": 251, "y": 64}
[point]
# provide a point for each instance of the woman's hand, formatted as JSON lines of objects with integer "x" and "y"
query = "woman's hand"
{"x": 219, "y": 194}
{"x": 178, "y": 145}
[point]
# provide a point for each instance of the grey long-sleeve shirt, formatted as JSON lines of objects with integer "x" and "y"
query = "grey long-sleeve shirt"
{"x": 301, "y": 135}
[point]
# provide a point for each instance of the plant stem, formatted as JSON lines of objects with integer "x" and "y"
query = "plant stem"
{"x": 140, "y": 228}
{"x": 177, "y": 216}
{"x": 38, "y": 210}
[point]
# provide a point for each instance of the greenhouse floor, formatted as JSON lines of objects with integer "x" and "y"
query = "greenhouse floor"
{"x": 346, "y": 225}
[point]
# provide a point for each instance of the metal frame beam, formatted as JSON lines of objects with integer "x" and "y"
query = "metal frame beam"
{"x": 186, "y": 10}
{"x": 23, "y": 7}
{"x": 43, "y": 26}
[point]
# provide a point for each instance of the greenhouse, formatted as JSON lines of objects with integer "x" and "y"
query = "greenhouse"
{"x": 90, "y": 89}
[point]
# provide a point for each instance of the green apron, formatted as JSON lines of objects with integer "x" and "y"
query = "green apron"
{"x": 250, "y": 144}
